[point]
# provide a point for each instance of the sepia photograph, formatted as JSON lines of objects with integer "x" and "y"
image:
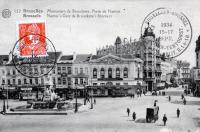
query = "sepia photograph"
{"x": 99, "y": 66}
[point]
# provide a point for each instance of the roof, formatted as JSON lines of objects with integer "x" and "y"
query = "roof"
{"x": 51, "y": 58}
{"x": 66, "y": 57}
{"x": 121, "y": 56}
{"x": 82, "y": 58}
{"x": 95, "y": 57}
{"x": 2, "y": 58}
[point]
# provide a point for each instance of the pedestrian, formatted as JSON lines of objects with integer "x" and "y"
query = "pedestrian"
{"x": 169, "y": 98}
{"x": 134, "y": 116}
{"x": 133, "y": 96}
{"x": 184, "y": 101}
{"x": 94, "y": 101}
{"x": 182, "y": 96}
{"x": 178, "y": 112}
{"x": 164, "y": 119}
{"x": 155, "y": 103}
{"x": 144, "y": 92}
{"x": 128, "y": 111}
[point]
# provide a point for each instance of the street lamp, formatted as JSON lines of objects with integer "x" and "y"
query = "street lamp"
{"x": 91, "y": 98}
{"x": 4, "y": 103}
{"x": 76, "y": 105}
{"x": 85, "y": 95}
{"x": 7, "y": 96}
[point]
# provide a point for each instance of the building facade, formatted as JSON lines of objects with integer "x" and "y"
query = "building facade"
{"x": 183, "y": 71}
{"x": 146, "y": 48}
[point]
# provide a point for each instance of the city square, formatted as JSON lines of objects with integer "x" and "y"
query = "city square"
{"x": 109, "y": 114}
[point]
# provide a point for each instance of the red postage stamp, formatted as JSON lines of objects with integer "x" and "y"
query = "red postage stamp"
{"x": 32, "y": 37}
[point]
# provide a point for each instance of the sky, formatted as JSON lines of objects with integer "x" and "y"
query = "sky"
{"x": 85, "y": 35}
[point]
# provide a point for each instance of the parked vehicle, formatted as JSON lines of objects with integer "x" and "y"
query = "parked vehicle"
{"x": 152, "y": 114}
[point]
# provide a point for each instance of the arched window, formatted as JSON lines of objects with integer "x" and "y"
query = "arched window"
{"x": 125, "y": 72}
{"x": 102, "y": 73}
{"x": 110, "y": 73}
{"x": 117, "y": 73}
{"x": 94, "y": 73}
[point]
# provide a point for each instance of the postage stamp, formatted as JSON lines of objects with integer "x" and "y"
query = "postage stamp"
{"x": 33, "y": 48}
{"x": 172, "y": 27}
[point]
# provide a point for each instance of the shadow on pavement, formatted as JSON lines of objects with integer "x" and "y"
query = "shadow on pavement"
{"x": 159, "y": 125}
{"x": 141, "y": 120}
{"x": 197, "y": 121}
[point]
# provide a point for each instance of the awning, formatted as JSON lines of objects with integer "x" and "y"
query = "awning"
{"x": 168, "y": 83}
{"x": 160, "y": 84}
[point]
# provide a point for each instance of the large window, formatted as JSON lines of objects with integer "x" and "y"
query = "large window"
{"x": 59, "y": 70}
{"x": 69, "y": 70}
{"x": 81, "y": 81}
{"x": 76, "y": 70}
{"x": 36, "y": 70}
{"x": 125, "y": 72}
{"x": 69, "y": 81}
{"x": 64, "y": 81}
{"x": 81, "y": 70}
{"x": 59, "y": 80}
{"x": 19, "y": 82}
{"x": 14, "y": 72}
{"x": 42, "y": 70}
{"x": 54, "y": 80}
{"x": 25, "y": 82}
{"x": 13, "y": 81}
{"x": 102, "y": 73}
{"x": 30, "y": 80}
{"x": 110, "y": 73}
{"x": 36, "y": 80}
{"x": 42, "y": 81}
{"x": 76, "y": 80}
{"x": 117, "y": 73}
{"x": 86, "y": 70}
{"x": 8, "y": 72}
{"x": 8, "y": 81}
{"x": 64, "y": 70}
{"x": 54, "y": 70}
{"x": 94, "y": 73}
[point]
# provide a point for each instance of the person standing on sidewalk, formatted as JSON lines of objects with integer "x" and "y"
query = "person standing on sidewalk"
{"x": 169, "y": 98}
{"x": 178, "y": 112}
{"x": 134, "y": 116}
{"x": 128, "y": 111}
{"x": 164, "y": 119}
{"x": 184, "y": 101}
{"x": 94, "y": 101}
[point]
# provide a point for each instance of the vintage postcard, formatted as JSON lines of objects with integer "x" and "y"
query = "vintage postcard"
{"x": 99, "y": 66}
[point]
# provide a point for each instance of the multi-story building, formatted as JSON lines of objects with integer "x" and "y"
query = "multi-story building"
{"x": 183, "y": 71}
{"x": 169, "y": 70}
{"x": 196, "y": 70}
{"x": 115, "y": 76}
{"x": 81, "y": 73}
{"x": 146, "y": 48}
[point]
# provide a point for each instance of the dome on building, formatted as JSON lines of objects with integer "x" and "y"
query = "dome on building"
{"x": 118, "y": 40}
{"x": 148, "y": 32}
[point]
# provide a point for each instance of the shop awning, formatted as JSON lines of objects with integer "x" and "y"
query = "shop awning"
{"x": 160, "y": 84}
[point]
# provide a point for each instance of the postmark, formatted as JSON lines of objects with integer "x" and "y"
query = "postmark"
{"x": 34, "y": 54}
{"x": 172, "y": 27}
